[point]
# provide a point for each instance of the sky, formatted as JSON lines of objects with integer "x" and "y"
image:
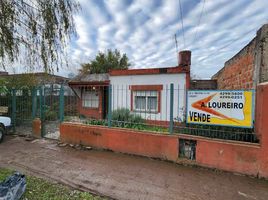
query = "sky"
{"x": 214, "y": 30}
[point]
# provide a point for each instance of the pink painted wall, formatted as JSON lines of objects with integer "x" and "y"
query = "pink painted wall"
{"x": 241, "y": 157}
{"x": 121, "y": 140}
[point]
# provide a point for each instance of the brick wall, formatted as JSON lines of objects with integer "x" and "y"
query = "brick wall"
{"x": 241, "y": 157}
{"x": 121, "y": 140}
{"x": 238, "y": 71}
{"x": 261, "y": 56}
{"x": 248, "y": 67}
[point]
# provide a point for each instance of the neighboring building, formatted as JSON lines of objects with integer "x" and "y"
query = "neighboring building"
{"x": 197, "y": 84}
{"x": 23, "y": 80}
{"x": 3, "y": 73}
{"x": 38, "y": 78}
{"x": 92, "y": 91}
{"x": 142, "y": 91}
{"x": 248, "y": 67}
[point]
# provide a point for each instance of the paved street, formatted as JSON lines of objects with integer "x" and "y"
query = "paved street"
{"x": 120, "y": 176}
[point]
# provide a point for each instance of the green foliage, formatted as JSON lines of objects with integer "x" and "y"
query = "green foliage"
{"x": 51, "y": 115}
{"x": 123, "y": 118}
{"x": 23, "y": 106}
{"x": 21, "y": 81}
{"x": 51, "y": 112}
{"x": 124, "y": 115}
{"x": 97, "y": 122}
{"x": 3, "y": 87}
{"x": 105, "y": 61}
{"x": 41, "y": 189}
{"x": 35, "y": 32}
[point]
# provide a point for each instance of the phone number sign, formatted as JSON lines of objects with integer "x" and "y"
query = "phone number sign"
{"x": 220, "y": 107}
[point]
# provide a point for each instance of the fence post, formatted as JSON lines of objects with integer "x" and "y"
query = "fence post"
{"x": 61, "y": 103}
{"x": 109, "y": 106}
{"x": 171, "y": 108}
{"x": 42, "y": 113}
{"x": 13, "y": 114}
{"x": 34, "y": 103}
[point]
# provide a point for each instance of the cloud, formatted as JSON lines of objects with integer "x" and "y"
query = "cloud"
{"x": 144, "y": 29}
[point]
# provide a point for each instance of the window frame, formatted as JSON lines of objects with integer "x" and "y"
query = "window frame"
{"x": 146, "y": 88}
{"x": 86, "y": 99}
{"x": 147, "y": 95}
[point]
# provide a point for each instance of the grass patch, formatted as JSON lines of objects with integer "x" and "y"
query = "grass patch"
{"x": 38, "y": 188}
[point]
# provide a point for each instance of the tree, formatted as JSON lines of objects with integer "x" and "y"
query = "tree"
{"x": 36, "y": 32}
{"x": 19, "y": 81}
{"x": 105, "y": 61}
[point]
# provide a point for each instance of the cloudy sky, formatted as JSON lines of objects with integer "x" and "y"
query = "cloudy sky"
{"x": 214, "y": 30}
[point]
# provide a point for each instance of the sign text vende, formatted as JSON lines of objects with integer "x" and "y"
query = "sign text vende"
{"x": 218, "y": 107}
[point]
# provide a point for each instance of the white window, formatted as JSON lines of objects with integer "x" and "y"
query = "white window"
{"x": 90, "y": 99}
{"x": 146, "y": 101}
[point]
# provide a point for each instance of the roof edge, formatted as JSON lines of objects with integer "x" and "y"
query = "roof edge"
{"x": 166, "y": 70}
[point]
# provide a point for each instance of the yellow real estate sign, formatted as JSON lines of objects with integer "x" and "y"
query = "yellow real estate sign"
{"x": 220, "y": 107}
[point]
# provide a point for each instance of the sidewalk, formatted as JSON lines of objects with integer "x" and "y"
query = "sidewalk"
{"x": 120, "y": 176}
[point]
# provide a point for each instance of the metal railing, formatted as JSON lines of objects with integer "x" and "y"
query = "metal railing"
{"x": 151, "y": 108}
{"x": 158, "y": 109}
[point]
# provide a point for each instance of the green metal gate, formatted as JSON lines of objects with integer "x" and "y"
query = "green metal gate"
{"x": 51, "y": 110}
{"x": 21, "y": 106}
{"x": 25, "y": 104}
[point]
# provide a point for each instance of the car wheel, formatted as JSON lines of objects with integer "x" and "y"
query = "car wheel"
{"x": 2, "y": 133}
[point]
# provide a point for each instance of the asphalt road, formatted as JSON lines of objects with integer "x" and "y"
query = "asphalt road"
{"x": 120, "y": 176}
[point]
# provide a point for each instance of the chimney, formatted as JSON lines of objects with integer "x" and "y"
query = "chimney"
{"x": 184, "y": 58}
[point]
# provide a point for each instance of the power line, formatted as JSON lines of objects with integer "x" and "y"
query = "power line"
{"x": 230, "y": 43}
{"x": 176, "y": 43}
{"x": 199, "y": 20}
{"x": 236, "y": 39}
{"x": 182, "y": 24}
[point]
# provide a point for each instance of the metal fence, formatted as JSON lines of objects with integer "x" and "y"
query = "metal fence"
{"x": 18, "y": 105}
{"x": 45, "y": 102}
{"x": 151, "y": 108}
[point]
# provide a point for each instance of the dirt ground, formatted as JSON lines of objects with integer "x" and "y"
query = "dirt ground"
{"x": 120, "y": 176}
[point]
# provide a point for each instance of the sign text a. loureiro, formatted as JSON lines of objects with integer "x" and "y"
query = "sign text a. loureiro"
{"x": 220, "y": 107}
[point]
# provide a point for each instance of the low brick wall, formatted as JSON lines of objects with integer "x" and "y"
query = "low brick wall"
{"x": 240, "y": 157}
{"x": 231, "y": 156}
{"x": 121, "y": 140}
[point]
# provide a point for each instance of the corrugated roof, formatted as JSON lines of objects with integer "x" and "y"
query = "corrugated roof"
{"x": 91, "y": 78}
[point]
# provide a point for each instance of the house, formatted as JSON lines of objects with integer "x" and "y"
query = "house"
{"x": 92, "y": 91}
{"x": 145, "y": 92}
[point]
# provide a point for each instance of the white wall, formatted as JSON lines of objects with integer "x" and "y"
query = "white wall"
{"x": 121, "y": 95}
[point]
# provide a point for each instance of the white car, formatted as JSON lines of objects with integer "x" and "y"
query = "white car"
{"x": 5, "y": 124}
